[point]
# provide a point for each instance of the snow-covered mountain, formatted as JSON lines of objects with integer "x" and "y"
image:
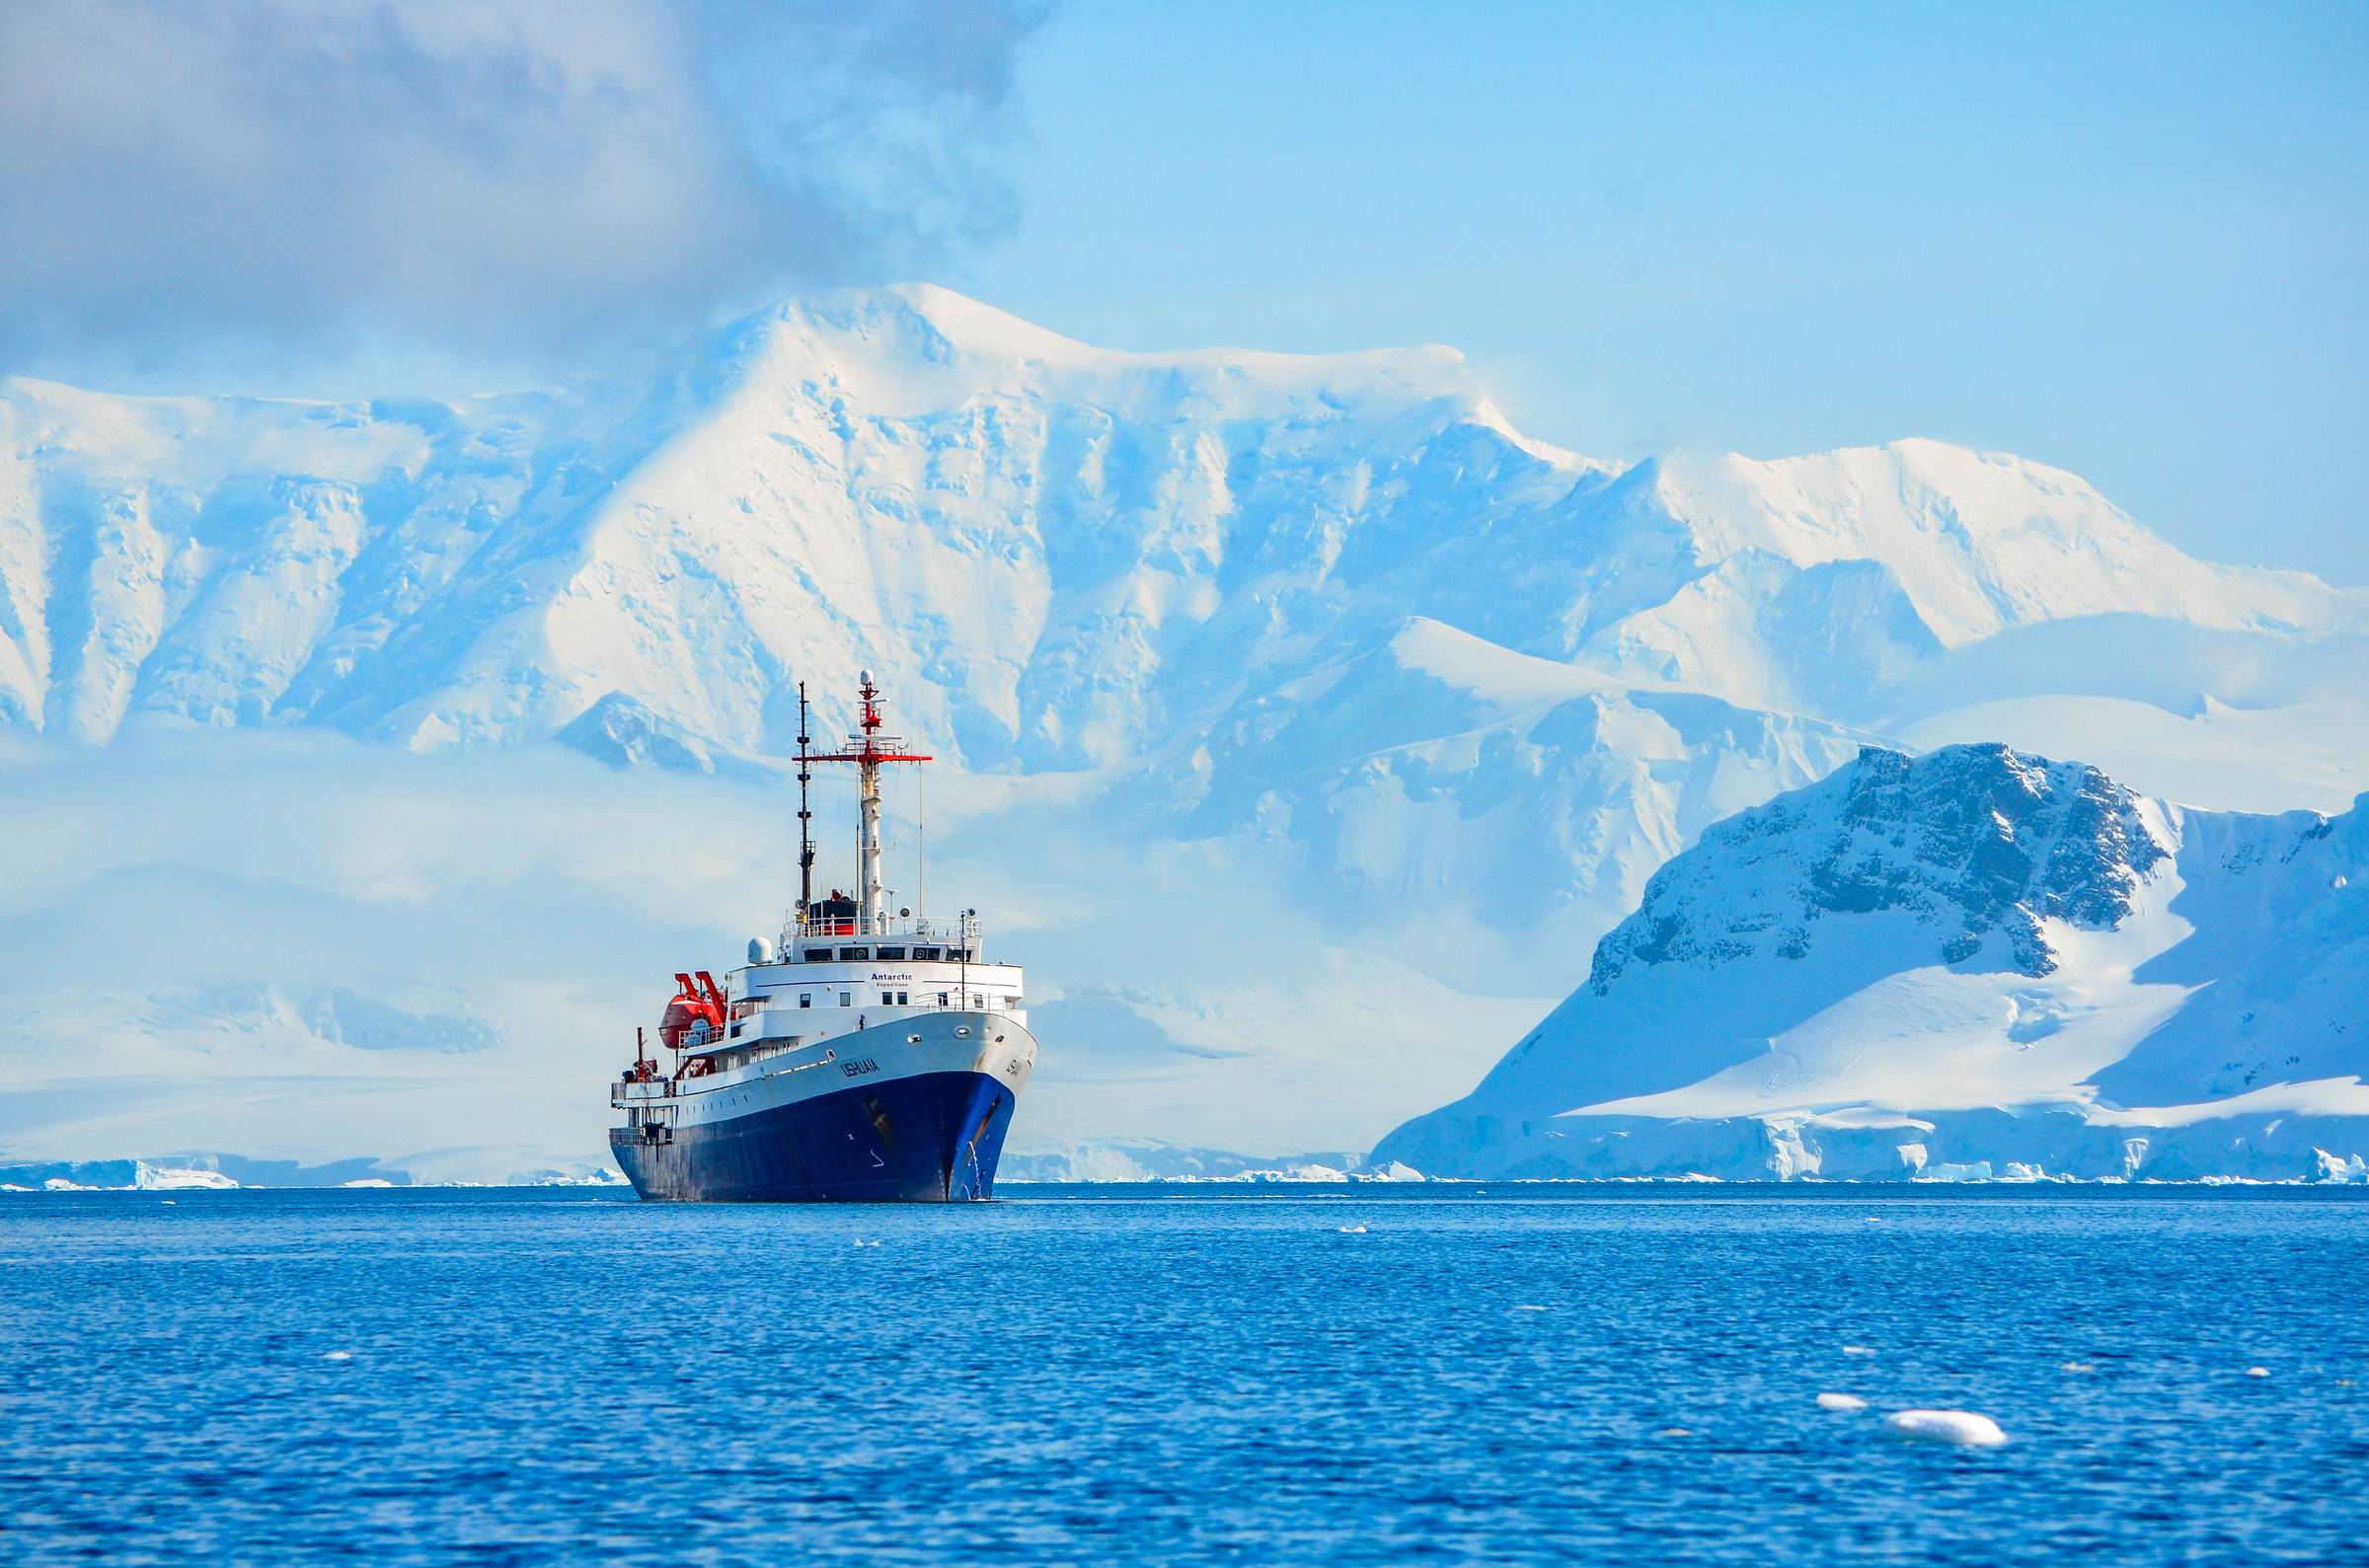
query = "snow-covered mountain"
{"x": 1066, "y": 557}
{"x": 1970, "y": 960}
{"x": 1199, "y": 634}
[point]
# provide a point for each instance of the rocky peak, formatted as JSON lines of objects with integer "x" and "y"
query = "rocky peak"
{"x": 1971, "y": 840}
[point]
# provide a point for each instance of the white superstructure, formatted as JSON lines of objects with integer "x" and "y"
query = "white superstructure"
{"x": 825, "y": 1011}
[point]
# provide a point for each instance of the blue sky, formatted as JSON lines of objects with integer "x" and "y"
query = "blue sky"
{"x": 2129, "y": 241}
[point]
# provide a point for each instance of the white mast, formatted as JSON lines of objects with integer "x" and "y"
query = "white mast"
{"x": 868, "y": 749}
{"x": 873, "y": 909}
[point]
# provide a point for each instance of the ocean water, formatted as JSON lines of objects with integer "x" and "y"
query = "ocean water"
{"x": 1183, "y": 1374}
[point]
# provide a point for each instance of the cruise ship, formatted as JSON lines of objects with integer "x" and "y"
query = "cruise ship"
{"x": 861, "y": 1055}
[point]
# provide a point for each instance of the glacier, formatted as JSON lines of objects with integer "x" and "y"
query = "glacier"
{"x": 1302, "y": 723}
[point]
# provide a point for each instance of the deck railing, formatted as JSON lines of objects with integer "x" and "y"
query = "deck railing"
{"x": 961, "y": 931}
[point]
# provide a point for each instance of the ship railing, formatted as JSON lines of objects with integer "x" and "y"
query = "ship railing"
{"x": 965, "y": 930}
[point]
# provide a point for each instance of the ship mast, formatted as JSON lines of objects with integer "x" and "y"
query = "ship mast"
{"x": 868, "y": 750}
{"x": 805, "y": 817}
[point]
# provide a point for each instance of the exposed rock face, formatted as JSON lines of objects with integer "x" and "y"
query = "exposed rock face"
{"x": 1970, "y": 840}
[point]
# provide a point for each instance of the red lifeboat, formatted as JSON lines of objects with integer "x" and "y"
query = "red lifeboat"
{"x": 693, "y": 1003}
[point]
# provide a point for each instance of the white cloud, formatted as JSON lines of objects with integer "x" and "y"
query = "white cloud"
{"x": 318, "y": 181}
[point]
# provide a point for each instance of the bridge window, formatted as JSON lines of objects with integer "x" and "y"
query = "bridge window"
{"x": 957, "y": 956}
{"x": 893, "y": 953}
{"x": 942, "y": 999}
{"x": 846, "y": 953}
{"x": 927, "y": 955}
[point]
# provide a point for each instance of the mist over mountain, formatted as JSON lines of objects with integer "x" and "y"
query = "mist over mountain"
{"x": 1302, "y": 723}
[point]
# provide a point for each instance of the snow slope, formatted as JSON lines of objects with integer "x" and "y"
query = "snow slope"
{"x": 1031, "y": 536}
{"x": 1318, "y": 636}
{"x": 1068, "y": 556}
{"x": 1975, "y": 958}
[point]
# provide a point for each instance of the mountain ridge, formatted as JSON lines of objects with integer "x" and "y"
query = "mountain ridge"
{"x": 499, "y": 551}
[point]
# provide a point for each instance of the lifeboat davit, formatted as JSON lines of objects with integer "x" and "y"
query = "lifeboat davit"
{"x": 690, "y": 1007}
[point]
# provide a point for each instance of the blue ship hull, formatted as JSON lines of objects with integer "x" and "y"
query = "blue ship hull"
{"x": 933, "y": 1138}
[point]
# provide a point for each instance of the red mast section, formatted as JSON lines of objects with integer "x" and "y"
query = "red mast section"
{"x": 872, "y": 748}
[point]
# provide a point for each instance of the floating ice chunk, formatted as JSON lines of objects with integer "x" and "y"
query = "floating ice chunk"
{"x": 1350, "y": 1230}
{"x": 859, "y": 1241}
{"x": 1946, "y": 1426}
{"x": 1525, "y": 1307}
{"x": 1674, "y": 1432}
{"x": 170, "y": 1202}
{"x": 2077, "y": 1366}
{"x": 1857, "y": 1350}
{"x": 151, "y": 1177}
{"x": 1841, "y": 1401}
{"x": 339, "y": 1355}
{"x": 2257, "y": 1371}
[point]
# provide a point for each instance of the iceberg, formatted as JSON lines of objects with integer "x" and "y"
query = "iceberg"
{"x": 1962, "y": 1426}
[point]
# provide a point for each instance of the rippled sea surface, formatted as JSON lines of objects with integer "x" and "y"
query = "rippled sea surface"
{"x": 1096, "y": 1374}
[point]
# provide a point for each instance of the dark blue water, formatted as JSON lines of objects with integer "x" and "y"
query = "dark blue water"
{"x": 1156, "y": 1374}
